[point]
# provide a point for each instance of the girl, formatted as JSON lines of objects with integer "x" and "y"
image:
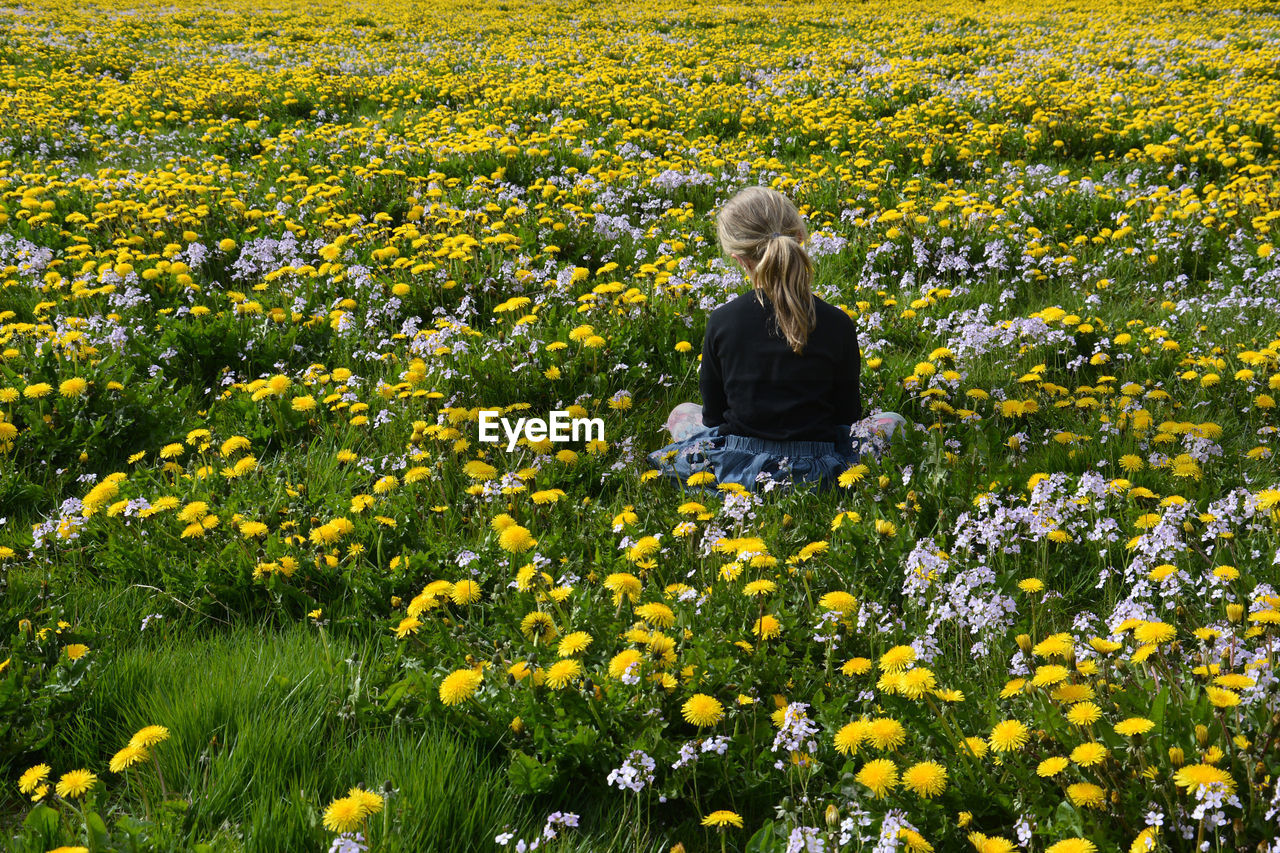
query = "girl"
{"x": 780, "y": 367}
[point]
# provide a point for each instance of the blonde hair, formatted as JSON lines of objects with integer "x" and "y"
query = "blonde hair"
{"x": 763, "y": 226}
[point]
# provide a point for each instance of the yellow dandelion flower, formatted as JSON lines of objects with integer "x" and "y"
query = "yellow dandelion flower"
{"x": 838, "y": 602}
{"x": 1192, "y": 777}
{"x": 1051, "y": 767}
{"x": 1072, "y": 845}
{"x": 1154, "y": 632}
{"x": 73, "y": 387}
{"x": 991, "y": 844}
{"x": 465, "y": 592}
{"x": 880, "y": 775}
{"x": 344, "y": 814}
{"x": 32, "y": 777}
{"x": 916, "y": 682}
{"x": 478, "y": 469}
{"x": 1234, "y": 681}
{"x": 537, "y": 625}
{"x": 856, "y": 666}
{"x": 897, "y": 658}
{"x": 408, "y": 625}
{"x": 975, "y": 746}
{"x": 656, "y": 614}
{"x": 623, "y": 661}
{"x": 371, "y": 802}
{"x": 925, "y": 779}
{"x": 850, "y": 737}
{"x": 1134, "y": 726}
{"x": 149, "y": 736}
{"x": 1145, "y": 842}
{"x": 853, "y": 475}
{"x": 75, "y": 783}
{"x": 1089, "y": 754}
{"x": 1084, "y": 713}
{"x": 516, "y": 539}
{"x": 767, "y": 627}
{"x": 127, "y": 757}
{"x": 915, "y": 842}
{"x": 1009, "y": 735}
{"x": 561, "y": 673}
{"x": 723, "y": 817}
{"x": 1055, "y": 645}
{"x": 1087, "y": 795}
{"x": 459, "y": 686}
{"x": 702, "y": 710}
{"x": 622, "y": 584}
{"x": 1012, "y": 687}
{"x": 573, "y": 644}
{"x": 886, "y": 733}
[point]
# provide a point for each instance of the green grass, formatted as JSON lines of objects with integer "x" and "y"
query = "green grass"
{"x": 267, "y": 726}
{"x": 263, "y": 735}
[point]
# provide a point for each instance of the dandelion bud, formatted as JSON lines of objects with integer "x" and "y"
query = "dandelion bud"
{"x": 677, "y": 848}
{"x": 1235, "y": 612}
{"x": 1202, "y": 734}
{"x": 833, "y": 816}
{"x": 1024, "y": 643}
{"x": 24, "y": 627}
{"x": 517, "y": 725}
{"x": 1176, "y": 756}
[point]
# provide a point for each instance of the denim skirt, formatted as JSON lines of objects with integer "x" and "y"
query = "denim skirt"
{"x": 754, "y": 462}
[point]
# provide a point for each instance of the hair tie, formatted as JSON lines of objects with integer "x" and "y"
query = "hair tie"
{"x": 775, "y": 235}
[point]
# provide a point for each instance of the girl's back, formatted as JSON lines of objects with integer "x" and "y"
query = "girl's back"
{"x": 754, "y": 384}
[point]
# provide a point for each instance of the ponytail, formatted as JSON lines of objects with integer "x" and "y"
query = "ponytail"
{"x": 762, "y": 225}
{"x": 784, "y": 274}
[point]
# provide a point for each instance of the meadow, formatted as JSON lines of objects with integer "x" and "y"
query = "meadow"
{"x": 262, "y": 266}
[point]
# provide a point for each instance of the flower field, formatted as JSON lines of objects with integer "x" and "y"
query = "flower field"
{"x": 265, "y": 587}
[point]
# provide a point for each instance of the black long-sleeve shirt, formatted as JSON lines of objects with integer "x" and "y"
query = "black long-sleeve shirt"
{"x": 753, "y": 384}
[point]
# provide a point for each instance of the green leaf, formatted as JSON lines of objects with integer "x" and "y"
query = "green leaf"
{"x": 393, "y": 694}
{"x": 583, "y": 740}
{"x": 528, "y": 775}
{"x": 42, "y": 820}
{"x": 1066, "y": 819}
{"x": 98, "y": 836}
{"x": 1157, "y": 708}
{"x": 765, "y": 840}
{"x": 131, "y": 826}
